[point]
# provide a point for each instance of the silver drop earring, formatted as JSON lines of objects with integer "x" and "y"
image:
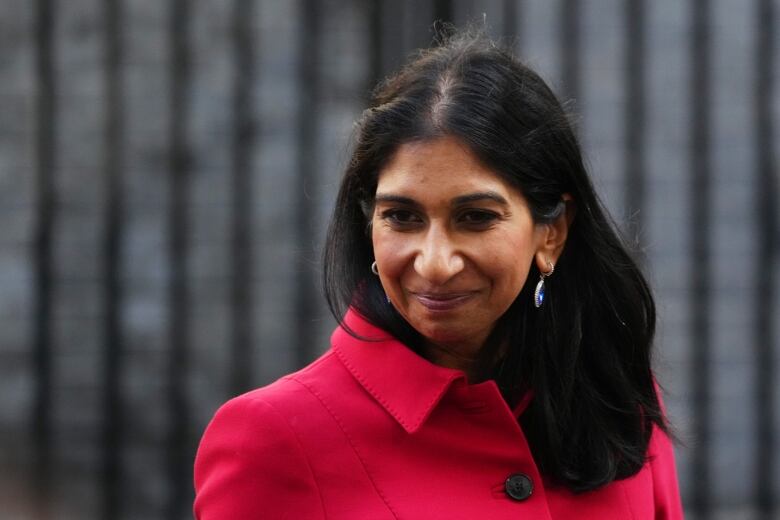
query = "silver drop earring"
{"x": 539, "y": 292}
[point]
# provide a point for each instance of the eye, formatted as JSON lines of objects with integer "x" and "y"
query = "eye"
{"x": 477, "y": 218}
{"x": 401, "y": 217}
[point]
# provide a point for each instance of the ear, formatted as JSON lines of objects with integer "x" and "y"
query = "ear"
{"x": 554, "y": 235}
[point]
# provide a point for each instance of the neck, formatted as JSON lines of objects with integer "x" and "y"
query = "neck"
{"x": 451, "y": 357}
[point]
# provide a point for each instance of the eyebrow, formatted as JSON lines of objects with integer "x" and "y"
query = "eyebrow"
{"x": 398, "y": 199}
{"x": 479, "y": 196}
{"x": 457, "y": 201}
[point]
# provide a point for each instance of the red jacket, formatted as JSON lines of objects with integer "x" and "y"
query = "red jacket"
{"x": 372, "y": 431}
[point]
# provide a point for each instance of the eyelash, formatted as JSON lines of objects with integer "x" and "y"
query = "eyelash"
{"x": 392, "y": 216}
{"x": 484, "y": 218}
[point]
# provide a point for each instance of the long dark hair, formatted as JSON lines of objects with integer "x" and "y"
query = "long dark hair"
{"x": 585, "y": 353}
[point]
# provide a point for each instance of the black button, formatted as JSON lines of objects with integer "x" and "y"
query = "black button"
{"x": 519, "y": 486}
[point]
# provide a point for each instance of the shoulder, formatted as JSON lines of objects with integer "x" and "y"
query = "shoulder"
{"x": 267, "y": 408}
{"x": 288, "y": 391}
{"x": 666, "y": 489}
{"x": 246, "y": 417}
{"x": 249, "y": 465}
{"x": 251, "y": 453}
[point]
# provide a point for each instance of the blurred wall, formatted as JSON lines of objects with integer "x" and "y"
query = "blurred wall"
{"x": 166, "y": 174}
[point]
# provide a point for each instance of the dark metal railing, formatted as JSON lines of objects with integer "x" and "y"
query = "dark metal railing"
{"x": 701, "y": 269}
{"x": 113, "y": 410}
{"x": 634, "y": 116}
{"x": 179, "y": 444}
{"x": 307, "y": 120}
{"x": 244, "y": 263}
{"x": 765, "y": 283}
{"x": 571, "y": 41}
{"x": 45, "y": 205}
{"x": 384, "y": 49}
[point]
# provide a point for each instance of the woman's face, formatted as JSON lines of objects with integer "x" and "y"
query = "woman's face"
{"x": 453, "y": 242}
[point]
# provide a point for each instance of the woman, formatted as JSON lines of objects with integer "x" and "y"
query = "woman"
{"x": 493, "y": 354}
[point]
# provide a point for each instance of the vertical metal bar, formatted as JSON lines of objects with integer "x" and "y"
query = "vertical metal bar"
{"x": 112, "y": 290}
{"x": 307, "y": 117}
{"x": 443, "y": 11}
{"x": 634, "y": 122}
{"x": 375, "y": 65}
{"x": 766, "y": 259}
{"x": 570, "y": 45}
{"x": 700, "y": 166}
{"x": 392, "y": 35}
{"x": 178, "y": 304}
{"x": 241, "y": 245}
{"x": 511, "y": 29}
{"x": 46, "y": 127}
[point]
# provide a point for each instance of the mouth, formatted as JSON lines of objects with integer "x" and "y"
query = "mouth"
{"x": 439, "y": 302}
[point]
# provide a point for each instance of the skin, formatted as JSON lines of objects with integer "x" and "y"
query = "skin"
{"x": 453, "y": 243}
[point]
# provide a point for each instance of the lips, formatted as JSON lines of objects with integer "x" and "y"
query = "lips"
{"x": 439, "y": 302}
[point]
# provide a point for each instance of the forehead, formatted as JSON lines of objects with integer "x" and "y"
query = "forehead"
{"x": 440, "y": 169}
{"x": 444, "y": 166}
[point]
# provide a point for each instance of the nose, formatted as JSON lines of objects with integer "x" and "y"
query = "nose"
{"x": 438, "y": 259}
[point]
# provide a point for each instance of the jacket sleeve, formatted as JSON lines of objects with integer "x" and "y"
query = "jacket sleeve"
{"x": 250, "y": 465}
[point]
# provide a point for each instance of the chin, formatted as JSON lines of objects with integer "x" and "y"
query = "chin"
{"x": 442, "y": 334}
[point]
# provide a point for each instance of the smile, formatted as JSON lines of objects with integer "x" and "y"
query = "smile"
{"x": 442, "y": 301}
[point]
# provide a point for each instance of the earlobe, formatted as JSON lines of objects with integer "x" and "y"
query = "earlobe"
{"x": 544, "y": 261}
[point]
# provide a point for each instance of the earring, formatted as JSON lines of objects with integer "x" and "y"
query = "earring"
{"x": 539, "y": 292}
{"x": 376, "y": 272}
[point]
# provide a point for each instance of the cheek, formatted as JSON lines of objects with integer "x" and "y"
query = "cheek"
{"x": 509, "y": 262}
{"x": 390, "y": 251}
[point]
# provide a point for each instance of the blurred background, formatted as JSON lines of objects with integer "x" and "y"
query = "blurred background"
{"x": 167, "y": 169}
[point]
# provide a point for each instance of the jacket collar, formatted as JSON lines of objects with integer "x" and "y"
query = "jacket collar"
{"x": 408, "y": 386}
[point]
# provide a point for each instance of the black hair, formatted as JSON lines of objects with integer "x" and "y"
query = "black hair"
{"x": 586, "y": 352}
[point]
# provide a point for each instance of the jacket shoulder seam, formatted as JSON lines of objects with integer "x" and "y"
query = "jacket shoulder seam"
{"x": 299, "y": 445}
{"x": 351, "y": 442}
